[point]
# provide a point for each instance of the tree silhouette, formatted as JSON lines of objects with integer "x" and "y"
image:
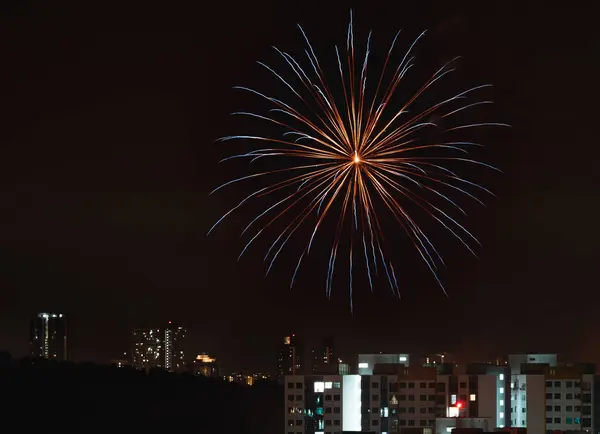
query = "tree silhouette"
{"x": 67, "y": 397}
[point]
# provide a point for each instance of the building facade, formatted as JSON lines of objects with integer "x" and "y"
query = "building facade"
{"x": 532, "y": 392}
{"x": 384, "y": 403}
{"x": 175, "y": 348}
{"x": 48, "y": 336}
{"x": 291, "y": 357}
{"x": 549, "y": 399}
{"x": 161, "y": 348}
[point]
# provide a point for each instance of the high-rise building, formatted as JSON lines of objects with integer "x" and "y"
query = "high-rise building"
{"x": 49, "y": 336}
{"x": 148, "y": 351}
{"x": 174, "y": 348}
{"x": 323, "y": 359}
{"x": 291, "y": 357}
{"x": 161, "y": 347}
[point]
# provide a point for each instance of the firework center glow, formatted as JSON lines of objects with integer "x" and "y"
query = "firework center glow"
{"x": 356, "y": 158}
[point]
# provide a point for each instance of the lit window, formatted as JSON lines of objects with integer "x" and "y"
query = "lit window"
{"x": 512, "y": 385}
{"x": 501, "y": 390}
{"x": 402, "y": 358}
{"x": 337, "y": 385}
{"x": 363, "y": 365}
{"x": 501, "y": 415}
{"x": 501, "y": 377}
{"x": 472, "y": 397}
{"x": 449, "y": 428}
{"x": 328, "y": 385}
{"x": 319, "y": 387}
{"x": 501, "y": 403}
{"x": 452, "y": 399}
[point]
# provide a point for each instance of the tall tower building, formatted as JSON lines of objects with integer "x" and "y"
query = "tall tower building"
{"x": 49, "y": 336}
{"x": 174, "y": 347}
{"x": 161, "y": 347}
{"x": 323, "y": 359}
{"x": 291, "y": 356}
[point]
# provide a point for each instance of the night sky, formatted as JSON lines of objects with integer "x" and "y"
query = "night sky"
{"x": 109, "y": 114}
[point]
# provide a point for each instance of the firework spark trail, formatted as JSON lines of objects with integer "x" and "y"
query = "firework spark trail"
{"x": 350, "y": 156}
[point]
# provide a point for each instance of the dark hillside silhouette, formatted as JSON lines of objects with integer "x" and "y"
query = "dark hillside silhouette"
{"x": 68, "y": 397}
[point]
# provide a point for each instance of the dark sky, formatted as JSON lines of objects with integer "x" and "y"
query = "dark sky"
{"x": 109, "y": 114}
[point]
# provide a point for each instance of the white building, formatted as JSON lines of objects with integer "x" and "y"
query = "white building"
{"x": 559, "y": 399}
{"x": 547, "y": 396}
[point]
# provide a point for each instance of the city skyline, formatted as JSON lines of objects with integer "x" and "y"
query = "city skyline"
{"x": 293, "y": 355}
{"x": 164, "y": 347}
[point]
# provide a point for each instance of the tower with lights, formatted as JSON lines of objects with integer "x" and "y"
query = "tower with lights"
{"x": 48, "y": 336}
{"x": 161, "y": 347}
{"x": 291, "y": 357}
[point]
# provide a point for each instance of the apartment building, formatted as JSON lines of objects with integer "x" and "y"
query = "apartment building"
{"x": 546, "y": 399}
{"x": 393, "y": 399}
{"x": 532, "y": 392}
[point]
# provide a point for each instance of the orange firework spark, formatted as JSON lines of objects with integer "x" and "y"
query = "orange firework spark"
{"x": 348, "y": 155}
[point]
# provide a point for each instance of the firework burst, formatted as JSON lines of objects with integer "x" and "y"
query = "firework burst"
{"x": 363, "y": 155}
